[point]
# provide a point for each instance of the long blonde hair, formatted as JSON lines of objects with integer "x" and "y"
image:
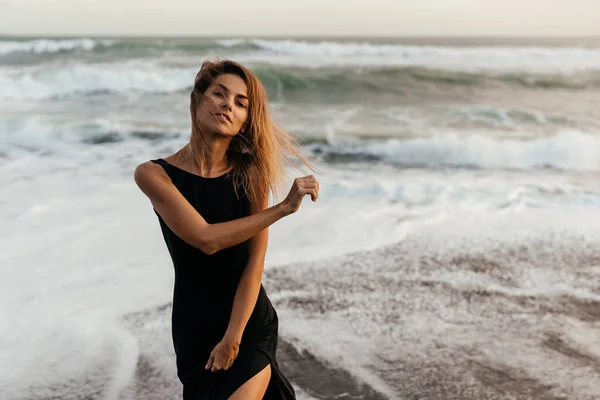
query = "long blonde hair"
{"x": 259, "y": 155}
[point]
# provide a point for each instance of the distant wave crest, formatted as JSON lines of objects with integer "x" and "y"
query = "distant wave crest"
{"x": 40, "y": 46}
{"x": 329, "y": 53}
{"x": 40, "y": 82}
{"x": 568, "y": 150}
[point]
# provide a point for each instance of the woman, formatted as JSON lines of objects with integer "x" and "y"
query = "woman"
{"x": 211, "y": 199}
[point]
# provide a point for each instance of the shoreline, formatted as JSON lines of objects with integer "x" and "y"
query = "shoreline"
{"x": 155, "y": 375}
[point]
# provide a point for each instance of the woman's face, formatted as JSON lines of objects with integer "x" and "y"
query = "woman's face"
{"x": 224, "y": 109}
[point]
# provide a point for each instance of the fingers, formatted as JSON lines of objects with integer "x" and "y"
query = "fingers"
{"x": 225, "y": 364}
{"x": 313, "y": 190}
{"x": 300, "y": 188}
{"x": 230, "y": 360}
{"x": 310, "y": 179}
{"x": 211, "y": 361}
{"x": 308, "y": 185}
{"x": 216, "y": 363}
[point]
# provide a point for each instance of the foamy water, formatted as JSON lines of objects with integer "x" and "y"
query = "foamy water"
{"x": 451, "y": 254}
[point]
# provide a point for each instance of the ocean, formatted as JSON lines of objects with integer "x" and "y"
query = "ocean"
{"x": 454, "y": 251}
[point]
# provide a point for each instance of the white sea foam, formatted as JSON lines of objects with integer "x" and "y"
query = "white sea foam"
{"x": 71, "y": 249}
{"x": 330, "y": 53}
{"x": 365, "y": 53}
{"x": 573, "y": 66}
{"x": 43, "y": 82}
{"x": 567, "y": 150}
{"x": 50, "y": 45}
{"x": 473, "y": 285}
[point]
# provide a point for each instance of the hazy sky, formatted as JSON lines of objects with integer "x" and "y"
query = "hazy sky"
{"x": 302, "y": 17}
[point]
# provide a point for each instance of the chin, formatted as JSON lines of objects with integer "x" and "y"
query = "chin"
{"x": 226, "y": 132}
{"x": 221, "y": 129}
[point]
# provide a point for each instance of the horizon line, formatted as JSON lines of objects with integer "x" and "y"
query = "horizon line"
{"x": 298, "y": 36}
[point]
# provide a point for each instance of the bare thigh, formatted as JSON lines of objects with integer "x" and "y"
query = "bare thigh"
{"x": 255, "y": 387}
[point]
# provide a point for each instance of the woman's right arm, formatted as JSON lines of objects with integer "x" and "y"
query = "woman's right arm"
{"x": 183, "y": 219}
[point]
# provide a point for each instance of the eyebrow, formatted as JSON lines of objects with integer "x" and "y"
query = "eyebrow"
{"x": 229, "y": 91}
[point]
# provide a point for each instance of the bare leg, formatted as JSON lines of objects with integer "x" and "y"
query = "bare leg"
{"x": 255, "y": 387}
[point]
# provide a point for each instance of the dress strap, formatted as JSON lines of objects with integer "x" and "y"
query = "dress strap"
{"x": 166, "y": 166}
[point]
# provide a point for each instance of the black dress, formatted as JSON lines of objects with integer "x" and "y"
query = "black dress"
{"x": 205, "y": 286}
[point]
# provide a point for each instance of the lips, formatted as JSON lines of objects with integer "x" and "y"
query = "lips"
{"x": 227, "y": 117}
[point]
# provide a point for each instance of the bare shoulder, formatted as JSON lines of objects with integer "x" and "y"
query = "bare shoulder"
{"x": 148, "y": 172}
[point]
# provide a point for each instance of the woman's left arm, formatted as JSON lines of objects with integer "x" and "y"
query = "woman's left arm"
{"x": 249, "y": 285}
{"x": 226, "y": 351}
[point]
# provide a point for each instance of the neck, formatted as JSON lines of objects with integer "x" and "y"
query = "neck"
{"x": 211, "y": 153}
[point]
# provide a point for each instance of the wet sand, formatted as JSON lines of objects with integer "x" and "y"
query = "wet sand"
{"x": 155, "y": 376}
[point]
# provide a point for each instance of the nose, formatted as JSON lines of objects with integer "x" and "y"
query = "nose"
{"x": 227, "y": 104}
